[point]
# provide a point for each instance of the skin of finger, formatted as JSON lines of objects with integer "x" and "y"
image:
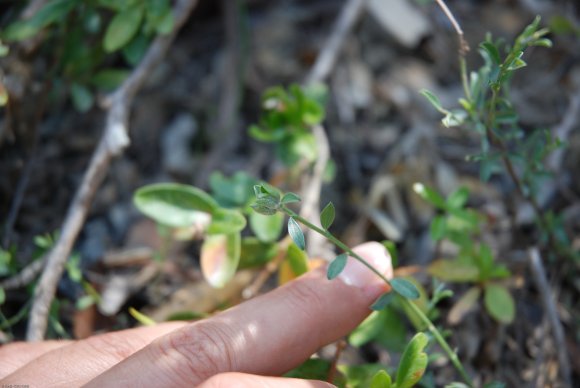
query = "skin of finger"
{"x": 267, "y": 335}
{"x": 17, "y": 354}
{"x": 80, "y": 361}
{"x": 244, "y": 380}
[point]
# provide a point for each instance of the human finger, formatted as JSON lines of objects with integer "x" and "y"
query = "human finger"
{"x": 244, "y": 380}
{"x": 267, "y": 335}
{"x": 80, "y": 361}
{"x": 17, "y": 354}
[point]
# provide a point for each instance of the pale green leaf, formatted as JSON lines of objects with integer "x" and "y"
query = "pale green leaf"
{"x": 123, "y": 28}
{"x": 499, "y": 303}
{"x": 296, "y": 233}
{"x": 413, "y": 362}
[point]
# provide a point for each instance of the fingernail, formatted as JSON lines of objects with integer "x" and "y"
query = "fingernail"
{"x": 358, "y": 275}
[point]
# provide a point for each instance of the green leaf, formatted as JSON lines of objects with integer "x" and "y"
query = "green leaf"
{"x": 226, "y": 221}
{"x": 232, "y": 191}
{"x": 267, "y": 228}
{"x": 381, "y": 379}
{"x": 2, "y": 296}
{"x": 290, "y": 198}
{"x": 453, "y": 271}
{"x": 122, "y": 28}
{"x": 265, "y": 210}
{"x": 434, "y": 100}
{"x": 492, "y": 52}
{"x": 174, "y": 204}
{"x": 256, "y": 253}
{"x": 458, "y": 198}
{"x": 413, "y": 362}
{"x": 312, "y": 369}
{"x": 136, "y": 49}
{"x": 327, "y": 216}
{"x": 296, "y": 233}
{"x": 438, "y": 228}
{"x": 220, "y": 256}
{"x": 52, "y": 12}
{"x": 336, "y": 266}
{"x": 383, "y": 301}
{"x": 109, "y": 79}
{"x": 297, "y": 259}
{"x": 499, "y": 303}
{"x": 405, "y": 288}
{"x": 359, "y": 376}
{"x": 82, "y": 97}
{"x": 430, "y": 195}
{"x": 312, "y": 112}
{"x": 141, "y": 318}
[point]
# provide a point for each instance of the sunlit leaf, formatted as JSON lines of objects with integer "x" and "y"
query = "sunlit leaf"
{"x": 296, "y": 233}
{"x": 267, "y": 227}
{"x": 381, "y": 380}
{"x": 123, "y": 28}
{"x": 220, "y": 255}
{"x": 225, "y": 221}
{"x": 175, "y": 205}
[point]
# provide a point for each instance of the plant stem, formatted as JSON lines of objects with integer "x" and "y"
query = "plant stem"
{"x": 436, "y": 333}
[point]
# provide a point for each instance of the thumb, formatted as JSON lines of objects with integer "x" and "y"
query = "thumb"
{"x": 267, "y": 335}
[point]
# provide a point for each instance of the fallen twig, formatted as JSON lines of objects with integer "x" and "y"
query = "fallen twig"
{"x": 549, "y": 302}
{"x": 320, "y": 71}
{"x": 327, "y": 57}
{"x": 113, "y": 141}
{"x": 25, "y": 276}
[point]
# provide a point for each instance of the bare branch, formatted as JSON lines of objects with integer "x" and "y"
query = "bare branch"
{"x": 463, "y": 45}
{"x": 114, "y": 140}
{"x": 549, "y": 302}
{"x": 343, "y": 25}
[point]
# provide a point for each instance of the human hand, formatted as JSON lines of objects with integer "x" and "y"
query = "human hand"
{"x": 265, "y": 336}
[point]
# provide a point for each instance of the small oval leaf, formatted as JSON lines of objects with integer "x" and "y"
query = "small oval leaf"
{"x": 123, "y": 28}
{"x": 336, "y": 266}
{"x": 405, "y": 288}
{"x": 220, "y": 256}
{"x": 327, "y": 216}
{"x": 413, "y": 362}
{"x": 383, "y": 301}
{"x": 296, "y": 233}
{"x": 499, "y": 303}
{"x": 381, "y": 380}
{"x": 289, "y": 198}
{"x": 226, "y": 221}
{"x": 175, "y": 205}
{"x": 267, "y": 228}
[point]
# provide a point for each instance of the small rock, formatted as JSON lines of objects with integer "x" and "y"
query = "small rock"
{"x": 403, "y": 21}
{"x": 175, "y": 145}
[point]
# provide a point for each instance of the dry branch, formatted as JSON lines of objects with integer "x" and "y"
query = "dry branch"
{"x": 322, "y": 68}
{"x": 549, "y": 303}
{"x": 113, "y": 141}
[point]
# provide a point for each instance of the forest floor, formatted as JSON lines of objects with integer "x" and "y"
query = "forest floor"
{"x": 191, "y": 119}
